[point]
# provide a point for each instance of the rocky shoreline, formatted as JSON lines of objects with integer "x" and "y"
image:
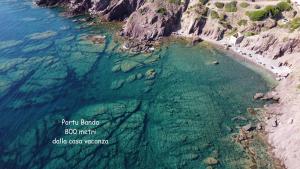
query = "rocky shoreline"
{"x": 273, "y": 47}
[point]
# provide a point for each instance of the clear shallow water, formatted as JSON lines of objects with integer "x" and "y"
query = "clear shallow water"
{"x": 48, "y": 71}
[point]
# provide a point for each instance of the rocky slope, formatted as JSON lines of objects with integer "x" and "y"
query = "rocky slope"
{"x": 153, "y": 20}
{"x": 148, "y": 20}
{"x": 272, "y": 45}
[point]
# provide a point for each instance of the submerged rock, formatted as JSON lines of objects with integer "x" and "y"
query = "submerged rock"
{"x": 97, "y": 39}
{"x": 239, "y": 118}
{"x": 210, "y": 161}
{"x": 128, "y": 65}
{"x": 139, "y": 76}
{"x": 86, "y": 46}
{"x": 41, "y": 35}
{"x": 64, "y": 40}
{"x": 149, "y": 82}
{"x": 152, "y": 59}
{"x": 150, "y": 74}
{"x": 9, "y": 43}
{"x": 131, "y": 78}
{"x": 117, "y": 84}
{"x": 147, "y": 89}
{"x": 116, "y": 68}
{"x": 34, "y": 48}
{"x": 28, "y": 19}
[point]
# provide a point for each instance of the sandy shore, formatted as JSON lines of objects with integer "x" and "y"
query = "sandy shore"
{"x": 284, "y": 137}
{"x": 279, "y": 72}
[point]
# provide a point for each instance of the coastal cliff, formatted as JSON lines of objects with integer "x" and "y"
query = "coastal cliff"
{"x": 265, "y": 32}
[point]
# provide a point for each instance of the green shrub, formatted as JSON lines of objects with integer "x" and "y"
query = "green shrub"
{"x": 284, "y": 6}
{"x": 233, "y": 31}
{"x": 295, "y": 23}
{"x": 178, "y": 2}
{"x": 203, "y": 1}
{"x": 244, "y": 4}
{"x": 242, "y": 22}
{"x": 222, "y": 17}
{"x": 219, "y": 5}
{"x": 272, "y": 11}
{"x": 162, "y": 11}
{"x": 214, "y": 14}
{"x": 249, "y": 34}
{"x": 231, "y": 6}
{"x": 257, "y": 15}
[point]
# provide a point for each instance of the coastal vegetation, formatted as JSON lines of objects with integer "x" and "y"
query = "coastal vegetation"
{"x": 242, "y": 22}
{"x": 244, "y": 4}
{"x": 219, "y": 5}
{"x": 162, "y": 11}
{"x": 294, "y": 24}
{"x": 178, "y": 2}
{"x": 269, "y": 11}
{"x": 231, "y": 6}
{"x": 214, "y": 14}
{"x": 203, "y": 2}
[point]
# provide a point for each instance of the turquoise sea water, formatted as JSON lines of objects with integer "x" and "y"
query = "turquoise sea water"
{"x": 50, "y": 72}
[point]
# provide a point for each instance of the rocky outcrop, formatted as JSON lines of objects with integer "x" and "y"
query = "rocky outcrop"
{"x": 79, "y": 6}
{"x": 193, "y": 19}
{"x": 153, "y": 20}
{"x": 213, "y": 30}
{"x": 271, "y": 45}
{"x": 257, "y": 27}
{"x": 148, "y": 21}
{"x": 115, "y": 9}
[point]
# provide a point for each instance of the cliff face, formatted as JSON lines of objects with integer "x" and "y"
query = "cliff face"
{"x": 147, "y": 20}
{"x": 153, "y": 20}
{"x": 115, "y": 9}
{"x": 150, "y": 20}
{"x": 193, "y": 19}
{"x": 272, "y": 45}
